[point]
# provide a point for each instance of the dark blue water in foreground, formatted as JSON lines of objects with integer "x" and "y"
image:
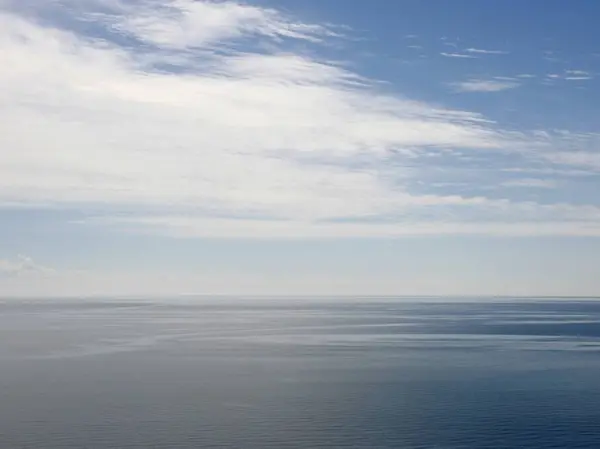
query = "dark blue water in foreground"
{"x": 299, "y": 374}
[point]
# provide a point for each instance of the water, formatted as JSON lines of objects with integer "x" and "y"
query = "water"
{"x": 299, "y": 374}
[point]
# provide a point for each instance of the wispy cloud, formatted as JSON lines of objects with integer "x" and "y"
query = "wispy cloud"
{"x": 198, "y": 118}
{"x": 485, "y": 85}
{"x": 571, "y": 75}
{"x": 588, "y": 159}
{"x": 457, "y": 55}
{"x": 184, "y": 24}
{"x": 481, "y": 51}
{"x": 558, "y": 220}
{"x": 221, "y": 137}
{"x": 578, "y": 73}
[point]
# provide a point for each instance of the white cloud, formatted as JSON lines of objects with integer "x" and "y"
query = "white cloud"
{"x": 585, "y": 159}
{"x": 425, "y": 215}
{"x": 22, "y": 266}
{"x": 568, "y": 151}
{"x": 485, "y": 85}
{"x": 578, "y": 72}
{"x": 485, "y": 52}
{"x": 220, "y": 138}
{"x": 188, "y": 23}
{"x": 243, "y": 126}
{"x": 457, "y": 55}
{"x": 192, "y": 227}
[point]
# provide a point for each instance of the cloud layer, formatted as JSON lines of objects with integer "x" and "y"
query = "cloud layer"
{"x": 197, "y": 118}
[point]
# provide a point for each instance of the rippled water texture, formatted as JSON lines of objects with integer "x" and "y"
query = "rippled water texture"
{"x": 294, "y": 373}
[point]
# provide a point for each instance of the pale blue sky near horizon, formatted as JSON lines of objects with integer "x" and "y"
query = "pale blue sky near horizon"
{"x": 314, "y": 147}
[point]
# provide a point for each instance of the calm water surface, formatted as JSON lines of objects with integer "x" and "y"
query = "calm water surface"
{"x": 299, "y": 374}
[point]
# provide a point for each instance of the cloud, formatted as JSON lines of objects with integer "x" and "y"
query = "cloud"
{"x": 217, "y": 119}
{"x": 199, "y": 227}
{"x": 483, "y": 85}
{"x": 191, "y": 24}
{"x": 21, "y": 266}
{"x": 457, "y": 55}
{"x": 585, "y": 159}
{"x": 225, "y": 137}
{"x": 578, "y": 73}
{"x": 574, "y": 152}
{"x": 573, "y": 75}
{"x": 486, "y": 52}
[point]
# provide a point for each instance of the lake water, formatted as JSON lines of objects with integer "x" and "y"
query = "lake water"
{"x": 298, "y": 373}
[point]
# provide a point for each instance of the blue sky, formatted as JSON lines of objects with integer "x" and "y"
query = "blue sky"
{"x": 314, "y": 147}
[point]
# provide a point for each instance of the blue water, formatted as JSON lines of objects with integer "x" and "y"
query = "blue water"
{"x": 297, "y": 373}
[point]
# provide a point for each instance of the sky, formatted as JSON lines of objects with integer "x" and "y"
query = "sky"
{"x": 278, "y": 147}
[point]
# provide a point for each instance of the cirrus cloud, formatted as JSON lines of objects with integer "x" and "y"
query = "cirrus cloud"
{"x": 223, "y": 117}
{"x": 485, "y": 85}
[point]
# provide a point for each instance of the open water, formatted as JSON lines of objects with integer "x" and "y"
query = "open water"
{"x": 299, "y": 373}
